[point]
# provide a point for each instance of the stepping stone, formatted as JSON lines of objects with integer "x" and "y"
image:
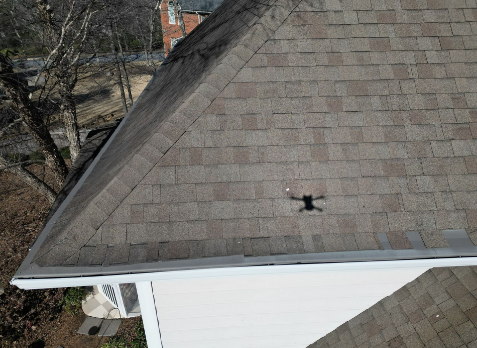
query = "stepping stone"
{"x": 109, "y": 327}
{"x": 90, "y": 326}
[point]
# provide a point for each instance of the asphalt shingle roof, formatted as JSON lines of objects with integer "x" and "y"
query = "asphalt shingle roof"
{"x": 199, "y": 5}
{"x": 438, "y": 309}
{"x": 371, "y": 104}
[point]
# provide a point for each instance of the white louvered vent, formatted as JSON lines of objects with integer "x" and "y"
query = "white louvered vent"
{"x": 108, "y": 291}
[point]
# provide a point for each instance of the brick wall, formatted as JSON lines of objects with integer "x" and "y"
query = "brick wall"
{"x": 173, "y": 31}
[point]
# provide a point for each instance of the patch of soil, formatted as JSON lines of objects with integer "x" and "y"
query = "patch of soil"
{"x": 99, "y": 98}
{"x": 22, "y": 212}
{"x": 63, "y": 332}
{"x": 33, "y": 318}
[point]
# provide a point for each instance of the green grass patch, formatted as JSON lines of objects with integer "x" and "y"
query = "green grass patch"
{"x": 37, "y": 156}
{"x": 139, "y": 340}
{"x": 116, "y": 342}
{"x": 65, "y": 152}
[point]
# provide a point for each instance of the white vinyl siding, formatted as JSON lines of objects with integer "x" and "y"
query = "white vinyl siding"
{"x": 271, "y": 310}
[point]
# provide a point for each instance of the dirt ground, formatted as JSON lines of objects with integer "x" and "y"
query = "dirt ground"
{"x": 98, "y": 95}
{"x": 22, "y": 212}
{"x": 36, "y": 316}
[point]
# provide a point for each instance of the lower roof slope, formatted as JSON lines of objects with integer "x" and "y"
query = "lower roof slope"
{"x": 369, "y": 104}
{"x": 438, "y": 309}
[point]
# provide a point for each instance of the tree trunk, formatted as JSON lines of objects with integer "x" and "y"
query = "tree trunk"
{"x": 30, "y": 179}
{"x": 151, "y": 24}
{"x": 123, "y": 62}
{"x": 16, "y": 88}
{"x": 147, "y": 56}
{"x": 114, "y": 51}
{"x": 128, "y": 85}
{"x": 65, "y": 72}
{"x": 151, "y": 32}
{"x": 68, "y": 115}
{"x": 42, "y": 137}
{"x": 97, "y": 56}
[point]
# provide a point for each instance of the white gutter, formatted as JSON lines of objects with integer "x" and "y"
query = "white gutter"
{"x": 45, "y": 283}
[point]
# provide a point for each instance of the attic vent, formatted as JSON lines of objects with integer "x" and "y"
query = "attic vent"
{"x": 171, "y": 12}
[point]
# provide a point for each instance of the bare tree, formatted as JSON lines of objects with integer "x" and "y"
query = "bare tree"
{"x": 134, "y": 20}
{"x": 143, "y": 36}
{"x": 65, "y": 41}
{"x": 114, "y": 51}
{"x": 180, "y": 19}
{"x": 152, "y": 16}
{"x": 16, "y": 88}
{"x": 123, "y": 63}
{"x": 144, "y": 18}
{"x": 62, "y": 29}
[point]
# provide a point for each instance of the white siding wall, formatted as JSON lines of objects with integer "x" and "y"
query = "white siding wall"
{"x": 271, "y": 310}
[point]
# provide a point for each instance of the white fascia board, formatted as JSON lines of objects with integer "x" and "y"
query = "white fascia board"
{"x": 45, "y": 283}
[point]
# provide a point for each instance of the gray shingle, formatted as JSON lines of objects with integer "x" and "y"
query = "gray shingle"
{"x": 215, "y": 248}
{"x": 117, "y": 254}
{"x": 260, "y": 246}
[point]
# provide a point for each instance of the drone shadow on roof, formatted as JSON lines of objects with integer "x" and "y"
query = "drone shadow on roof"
{"x": 308, "y": 200}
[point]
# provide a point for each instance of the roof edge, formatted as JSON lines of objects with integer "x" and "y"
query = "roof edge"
{"x": 457, "y": 249}
{"x": 460, "y": 246}
{"x": 44, "y": 283}
{"x": 35, "y": 247}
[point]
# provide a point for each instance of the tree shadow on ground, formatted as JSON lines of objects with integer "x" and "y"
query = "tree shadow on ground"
{"x": 37, "y": 344}
{"x": 99, "y": 93}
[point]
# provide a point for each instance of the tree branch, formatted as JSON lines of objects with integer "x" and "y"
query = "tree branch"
{"x": 3, "y": 132}
{"x": 29, "y": 178}
{"x": 26, "y": 163}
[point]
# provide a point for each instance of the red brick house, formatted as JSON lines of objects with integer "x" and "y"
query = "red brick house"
{"x": 193, "y": 13}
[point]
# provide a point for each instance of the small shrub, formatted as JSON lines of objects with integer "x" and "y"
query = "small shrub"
{"x": 73, "y": 299}
{"x": 140, "y": 340}
{"x": 116, "y": 342}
